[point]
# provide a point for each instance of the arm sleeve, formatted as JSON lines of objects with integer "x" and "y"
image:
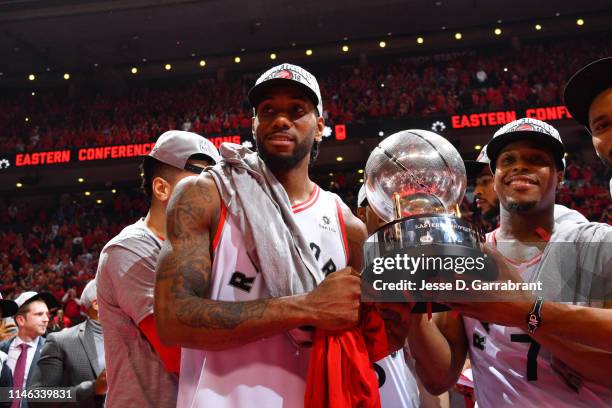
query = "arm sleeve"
{"x": 169, "y": 355}
{"x": 132, "y": 273}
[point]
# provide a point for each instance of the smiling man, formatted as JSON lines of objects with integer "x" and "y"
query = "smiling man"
{"x": 536, "y": 351}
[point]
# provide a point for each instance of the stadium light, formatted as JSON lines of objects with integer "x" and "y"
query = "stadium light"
{"x": 331, "y": 174}
{"x": 167, "y": 67}
{"x": 497, "y": 31}
{"x": 31, "y": 77}
{"x": 477, "y": 147}
{"x": 134, "y": 70}
{"x": 309, "y": 52}
{"x": 580, "y": 22}
{"x": 505, "y": 69}
{"x": 361, "y": 180}
{"x": 19, "y": 185}
{"x": 458, "y": 36}
{"x": 360, "y": 171}
{"x": 272, "y": 56}
{"x": 202, "y": 63}
{"x": 420, "y": 40}
{"x": 87, "y": 193}
{"x": 339, "y": 158}
{"x": 98, "y": 201}
{"x": 114, "y": 190}
{"x": 237, "y": 60}
{"x": 80, "y": 179}
{"x": 33, "y": 93}
{"x": 345, "y": 48}
{"x": 66, "y": 76}
{"x": 382, "y": 44}
{"x": 27, "y": 119}
{"x": 538, "y": 27}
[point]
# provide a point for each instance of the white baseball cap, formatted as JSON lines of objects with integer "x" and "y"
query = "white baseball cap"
{"x": 27, "y": 297}
{"x": 287, "y": 73}
{"x": 175, "y": 147}
{"x": 361, "y": 197}
{"x": 89, "y": 294}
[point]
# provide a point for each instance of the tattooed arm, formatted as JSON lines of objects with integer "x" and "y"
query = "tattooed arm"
{"x": 186, "y": 317}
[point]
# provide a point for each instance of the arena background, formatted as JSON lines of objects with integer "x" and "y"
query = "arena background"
{"x": 87, "y": 86}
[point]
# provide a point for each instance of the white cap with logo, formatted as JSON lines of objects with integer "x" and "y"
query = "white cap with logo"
{"x": 287, "y": 73}
{"x": 175, "y": 147}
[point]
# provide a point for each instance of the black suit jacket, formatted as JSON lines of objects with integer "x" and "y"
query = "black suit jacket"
{"x": 69, "y": 359}
{"x": 5, "y": 345}
{"x": 6, "y": 380}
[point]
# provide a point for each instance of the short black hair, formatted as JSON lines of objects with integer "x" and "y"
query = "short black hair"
{"x": 151, "y": 168}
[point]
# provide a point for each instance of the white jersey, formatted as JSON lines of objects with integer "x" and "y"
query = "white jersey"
{"x": 396, "y": 383}
{"x": 270, "y": 372}
{"x": 511, "y": 369}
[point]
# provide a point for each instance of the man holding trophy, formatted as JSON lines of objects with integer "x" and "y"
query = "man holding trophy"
{"x": 519, "y": 349}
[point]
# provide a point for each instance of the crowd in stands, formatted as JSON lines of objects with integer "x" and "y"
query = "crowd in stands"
{"x": 488, "y": 79}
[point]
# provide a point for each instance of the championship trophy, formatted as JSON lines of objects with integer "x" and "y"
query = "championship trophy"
{"x": 415, "y": 182}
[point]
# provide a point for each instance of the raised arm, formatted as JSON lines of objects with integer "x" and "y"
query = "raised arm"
{"x": 186, "y": 317}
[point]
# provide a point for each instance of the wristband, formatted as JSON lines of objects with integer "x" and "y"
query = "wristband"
{"x": 534, "y": 318}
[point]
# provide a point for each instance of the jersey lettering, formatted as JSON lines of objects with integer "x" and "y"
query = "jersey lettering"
{"x": 532, "y": 354}
{"x": 329, "y": 267}
{"x": 380, "y": 373}
{"x": 316, "y": 249}
{"x": 479, "y": 341}
{"x": 241, "y": 281}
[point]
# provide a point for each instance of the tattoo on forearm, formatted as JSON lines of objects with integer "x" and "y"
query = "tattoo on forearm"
{"x": 186, "y": 265}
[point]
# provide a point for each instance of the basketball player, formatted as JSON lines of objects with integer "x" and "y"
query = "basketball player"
{"x": 486, "y": 197}
{"x": 213, "y": 297}
{"x": 588, "y": 96}
{"x": 140, "y": 370}
{"x": 398, "y": 386}
{"x": 518, "y": 350}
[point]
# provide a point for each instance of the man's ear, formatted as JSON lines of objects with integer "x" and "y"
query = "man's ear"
{"x": 361, "y": 213}
{"x": 19, "y": 320}
{"x": 320, "y": 128}
{"x": 161, "y": 189}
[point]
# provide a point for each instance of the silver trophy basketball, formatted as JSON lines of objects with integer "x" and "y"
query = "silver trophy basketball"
{"x": 415, "y": 181}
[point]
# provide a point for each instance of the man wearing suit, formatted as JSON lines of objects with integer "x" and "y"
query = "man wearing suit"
{"x": 74, "y": 357}
{"x": 23, "y": 351}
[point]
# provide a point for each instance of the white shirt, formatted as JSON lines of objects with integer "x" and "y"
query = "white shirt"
{"x": 15, "y": 351}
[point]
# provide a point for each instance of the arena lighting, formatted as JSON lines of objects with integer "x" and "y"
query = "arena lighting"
{"x": 580, "y": 22}
{"x": 361, "y": 180}
{"x": 458, "y": 36}
{"x": 134, "y": 70}
{"x": 114, "y": 191}
{"x": 339, "y": 158}
{"x": 237, "y": 60}
{"x": 202, "y": 63}
{"x": 477, "y": 147}
{"x": 497, "y": 31}
{"x": 272, "y": 56}
{"x": 331, "y": 174}
{"x": 345, "y": 48}
{"x": 19, "y": 185}
{"x": 66, "y": 76}
{"x": 80, "y": 179}
{"x": 505, "y": 69}
{"x": 27, "y": 119}
{"x": 381, "y": 133}
{"x": 382, "y": 44}
{"x": 167, "y": 67}
{"x": 87, "y": 193}
{"x": 33, "y": 93}
{"x": 538, "y": 27}
{"x": 420, "y": 40}
{"x": 360, "y": 171}
{"x": 309, "y": 52}
{"x": 31, "y": 77}
{"x": 98, "y": 201}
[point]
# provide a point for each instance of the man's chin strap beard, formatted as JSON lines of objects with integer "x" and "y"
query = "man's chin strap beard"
{"x": 519, "y": 208}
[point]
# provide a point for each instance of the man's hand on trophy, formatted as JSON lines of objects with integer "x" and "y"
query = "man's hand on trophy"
{"x": 497, "y": 301}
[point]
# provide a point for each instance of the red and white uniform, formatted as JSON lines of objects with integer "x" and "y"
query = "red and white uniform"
{"x": 270, "y": 372}
{"x": 510, "y": 369}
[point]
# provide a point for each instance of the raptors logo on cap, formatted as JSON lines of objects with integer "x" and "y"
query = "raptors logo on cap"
{"x": 285, "y": 74}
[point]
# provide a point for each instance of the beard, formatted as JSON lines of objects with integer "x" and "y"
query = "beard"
{"x": 284, "y": 163}
{"x": 520, "y": 208}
